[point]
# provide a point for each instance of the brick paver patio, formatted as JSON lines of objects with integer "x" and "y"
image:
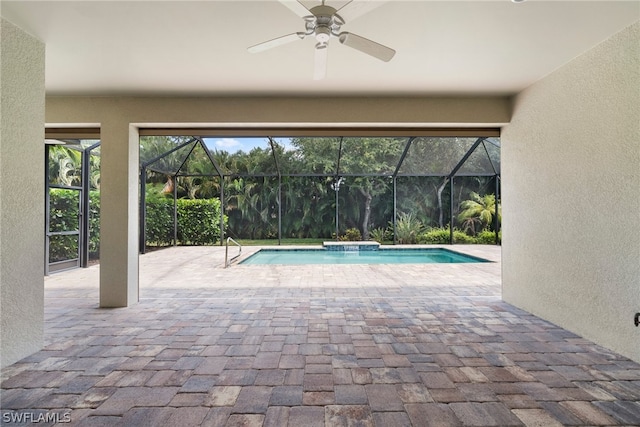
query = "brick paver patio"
{"x": 342, "y": 345}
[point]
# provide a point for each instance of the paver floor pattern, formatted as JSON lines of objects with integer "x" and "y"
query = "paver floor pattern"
{"x": 356, "y": 345}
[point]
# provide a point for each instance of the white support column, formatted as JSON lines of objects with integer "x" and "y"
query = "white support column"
{"x": 118, "y": 214}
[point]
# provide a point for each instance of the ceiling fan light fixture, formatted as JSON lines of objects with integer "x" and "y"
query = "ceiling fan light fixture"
{"x": 323, "y": 33}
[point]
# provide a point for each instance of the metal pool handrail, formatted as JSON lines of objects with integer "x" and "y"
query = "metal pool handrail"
{"x": 227, "y": 261}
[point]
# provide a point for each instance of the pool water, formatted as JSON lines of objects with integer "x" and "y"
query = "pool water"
{"x": 381, "y": 256}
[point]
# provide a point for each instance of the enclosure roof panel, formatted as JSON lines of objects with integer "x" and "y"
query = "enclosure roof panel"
{"x": 321, "y": 156}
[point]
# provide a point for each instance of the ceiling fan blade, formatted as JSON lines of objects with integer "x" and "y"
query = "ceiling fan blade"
{"x": 296, "y": 7}
{"x": 337, "y": 4}
{"x": 320, "y": 67}
{"x": 310, "y": 4}
{"x": 350, "y": 10}
{"x": 279, "y": 41}
{"x": 367, "y": 46}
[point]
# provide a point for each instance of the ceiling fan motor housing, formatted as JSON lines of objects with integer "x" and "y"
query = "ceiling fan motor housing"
{"x": 326, "y": 23}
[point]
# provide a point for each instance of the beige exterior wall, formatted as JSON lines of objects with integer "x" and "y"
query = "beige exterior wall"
{"x": 21, "y": 193}
{"x": 571, "y": 196}
{"x": 229, "y": 111}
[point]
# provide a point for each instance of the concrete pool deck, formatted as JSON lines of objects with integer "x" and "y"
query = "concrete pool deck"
{"x": 318, "y": 345}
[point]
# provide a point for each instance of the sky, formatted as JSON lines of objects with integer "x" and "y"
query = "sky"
{"x": 233, "y": 145}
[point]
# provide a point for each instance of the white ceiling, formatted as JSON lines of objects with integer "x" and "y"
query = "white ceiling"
{"x": 200, "y": 47}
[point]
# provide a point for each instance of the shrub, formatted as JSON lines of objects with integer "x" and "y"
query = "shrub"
{"x": 63, "y": 247}
{"x": 159, "y": 221}
{"x": 487, "y": 237}
{"x": 198, "y": 221}
{"x": 435, "y": 236}
{"x": 462, "y": 237}
{"x": 351, "y": 235}
{"x": 94, "y": 224}
{"x": 63, "y": 216}
{"x": 441, "y": 236}
{"x": 408, "y": 228}
{"x": 379, "y": 234}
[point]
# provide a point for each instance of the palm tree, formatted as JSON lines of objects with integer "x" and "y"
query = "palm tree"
{"x": 479, "y": 210}
{"x": 65, "y": 166}
{"x": 94, "y": 165}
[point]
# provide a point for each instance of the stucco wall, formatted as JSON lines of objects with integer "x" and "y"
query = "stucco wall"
{"x": 571, "y": 196}
{"x": 340, "y": 111}
{"x": 21, "y": 193}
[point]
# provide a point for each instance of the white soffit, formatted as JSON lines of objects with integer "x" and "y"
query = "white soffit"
{"x": 200, "y": 47}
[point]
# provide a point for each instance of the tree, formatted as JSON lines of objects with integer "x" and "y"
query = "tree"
{"x": 294, "y": 177}
{"x": 163, "y": 170}
{"x": 440, "y": 156}
{"x": 358, "y": 158}
{"x": 199, "y": 173}
{"x": 479, "y": 210}
{"x": 65, "y": 166}
{"x": 416, "y": 194}
{"x": 371, "y": 155}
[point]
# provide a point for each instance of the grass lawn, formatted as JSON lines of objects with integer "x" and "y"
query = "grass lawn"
{"x": 274, "y": 242}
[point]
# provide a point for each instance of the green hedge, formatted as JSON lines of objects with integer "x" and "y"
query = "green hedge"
{"x": 159, "y": 222}
{"x": 63, "y": 216}
{"x": 442, "y": 235}
{"x": 198, "y": 221}
{"x": 487, "y": 237}
{"x": 94, "y": 225}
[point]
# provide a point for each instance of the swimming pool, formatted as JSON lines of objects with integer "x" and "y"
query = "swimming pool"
{"x": 380, "y": 256}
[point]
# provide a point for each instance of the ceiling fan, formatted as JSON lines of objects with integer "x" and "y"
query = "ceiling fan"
{"x": 322, "y": 21}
